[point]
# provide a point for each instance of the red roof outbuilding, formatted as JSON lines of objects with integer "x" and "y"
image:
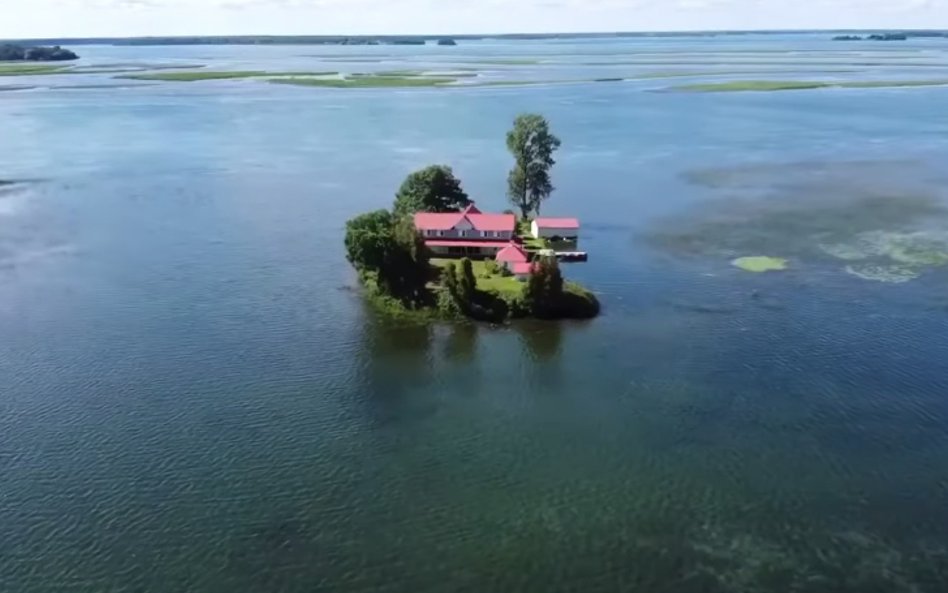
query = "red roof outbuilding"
{"x": 512, "y": 253}
{"x": 557, "y": 223}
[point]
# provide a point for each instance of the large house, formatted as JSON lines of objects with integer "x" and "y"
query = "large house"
{"x": 469, "y": 232}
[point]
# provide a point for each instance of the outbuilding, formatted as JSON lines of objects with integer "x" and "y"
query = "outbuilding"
{"x": 555, "y": 229}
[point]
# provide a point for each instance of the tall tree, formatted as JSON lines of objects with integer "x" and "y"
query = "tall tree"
{"x": 369, "y": 239}
{"x": 544, "y": 290}
{"x": 432, "y": 189}
{"x": 467, "y": 284}
{"x": 391, "y": 250}
{"x": 532, "y": 145}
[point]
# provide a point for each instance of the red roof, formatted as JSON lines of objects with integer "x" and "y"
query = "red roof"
{"x": 512, "y": 253}
{"x": 557, "y": 223}
{"x": 522, "y": 268}
{"x": 438, "y": 221}
{"x": 459, "y": 243}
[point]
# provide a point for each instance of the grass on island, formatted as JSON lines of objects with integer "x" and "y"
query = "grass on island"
{"x": 798, "y": 85}
{"x": 29, "y": 69}
{"x": 368, "y": 82}
{"x": 530, "y": 243}
{"x": 216, "y": 75}
{"x": 486, "y": 280}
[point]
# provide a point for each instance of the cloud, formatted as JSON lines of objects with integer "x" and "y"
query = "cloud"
{"x": 51, "y": 18}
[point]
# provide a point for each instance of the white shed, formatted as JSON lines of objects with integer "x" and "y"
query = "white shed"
{"x": 566, "y": 229}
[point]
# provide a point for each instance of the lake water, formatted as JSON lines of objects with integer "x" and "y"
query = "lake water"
{"x": 194, "y": 397}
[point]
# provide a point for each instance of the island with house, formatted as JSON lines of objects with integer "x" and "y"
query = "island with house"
{"x": 437, "y": 253}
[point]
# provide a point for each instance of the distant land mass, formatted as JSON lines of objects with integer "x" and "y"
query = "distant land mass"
{"x": 18, "y": 53}
{"x": 882, "y": 37}
{"x": 435, "y": 39}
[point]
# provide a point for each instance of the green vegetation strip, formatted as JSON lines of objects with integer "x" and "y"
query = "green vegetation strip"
{"x": 368, "y": 82}
{"x": 513, "y": 62}
{"x": 18, "y": 69}
{"x": 220, "y": 75}
{"x": 797, "y": 85}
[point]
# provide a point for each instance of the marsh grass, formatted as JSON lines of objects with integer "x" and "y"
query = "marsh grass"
{"x": 29, "y": 69}
{"x": 216, "y": 75}
{"x": 799, "y": 85}
{"x": 367, "y": 82}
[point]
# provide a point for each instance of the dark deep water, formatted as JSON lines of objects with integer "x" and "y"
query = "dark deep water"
{"x": 194, "y": 398}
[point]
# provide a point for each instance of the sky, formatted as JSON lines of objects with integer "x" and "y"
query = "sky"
{"x": 117, "y": 18}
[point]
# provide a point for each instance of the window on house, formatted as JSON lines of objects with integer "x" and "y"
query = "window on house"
{"x": 440, "y": 233}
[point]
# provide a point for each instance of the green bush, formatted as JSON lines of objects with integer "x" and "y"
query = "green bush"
{"x": 448, "y": 305}
{"x": 577, "y": 303}
{"x": 493, "y": 268}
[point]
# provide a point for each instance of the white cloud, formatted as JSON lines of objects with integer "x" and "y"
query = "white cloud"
{"x": 182, "y": 17}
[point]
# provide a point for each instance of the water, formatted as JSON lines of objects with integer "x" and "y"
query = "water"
{"x": 195, "y": 398}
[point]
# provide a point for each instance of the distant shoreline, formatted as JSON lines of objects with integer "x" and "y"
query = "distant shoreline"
{"x": 433, "y": 39}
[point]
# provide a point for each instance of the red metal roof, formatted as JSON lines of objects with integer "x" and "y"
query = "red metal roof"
{"x": 512, "y": 253}
{"x": 438, "y": 221}
{"x": 460, "y": 243}
{"x": 557, "y": 223}
{"x": 522, "y": 268}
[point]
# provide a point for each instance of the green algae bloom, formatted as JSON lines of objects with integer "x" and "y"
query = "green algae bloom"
{"x": 896, "y": 274}
{"x": 760, "y": 263}
{"x": 917, "y": 248}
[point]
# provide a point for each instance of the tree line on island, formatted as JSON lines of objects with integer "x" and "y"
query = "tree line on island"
{"x": 396, "y": 267}
{"x": 19, "y": 53}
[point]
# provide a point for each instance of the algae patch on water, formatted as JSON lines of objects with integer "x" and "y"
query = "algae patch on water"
{"x": 919, "y": 248}
{"x": 886, "y": 256}
{"x": 890, "y": 215}
{"x": 760, "y": 263}
{"x": 892, "y": 274}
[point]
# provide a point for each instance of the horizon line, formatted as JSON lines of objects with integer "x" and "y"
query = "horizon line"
{"x": 427, "y": 36}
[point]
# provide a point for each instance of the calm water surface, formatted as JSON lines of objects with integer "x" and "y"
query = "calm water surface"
{"x": 193, "y": 397}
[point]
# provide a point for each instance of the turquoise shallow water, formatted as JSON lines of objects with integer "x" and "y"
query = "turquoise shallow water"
{"x": 193, "y": 397}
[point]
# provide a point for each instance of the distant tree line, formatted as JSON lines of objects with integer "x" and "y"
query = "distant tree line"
{"x": 17, "y": 53}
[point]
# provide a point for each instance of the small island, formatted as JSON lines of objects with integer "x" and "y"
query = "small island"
{"x": 888, "y": 37}
{"x": 873, "y": 37}
{"x": 447, "y": 42}
{"x": 18, "y": 53}
{"x": 436, "y": 254}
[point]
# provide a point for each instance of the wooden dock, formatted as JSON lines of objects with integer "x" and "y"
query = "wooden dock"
{"x": 566, "y": 256}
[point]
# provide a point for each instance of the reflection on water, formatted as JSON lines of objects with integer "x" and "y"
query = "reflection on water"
{"x": 542, "y": 341}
